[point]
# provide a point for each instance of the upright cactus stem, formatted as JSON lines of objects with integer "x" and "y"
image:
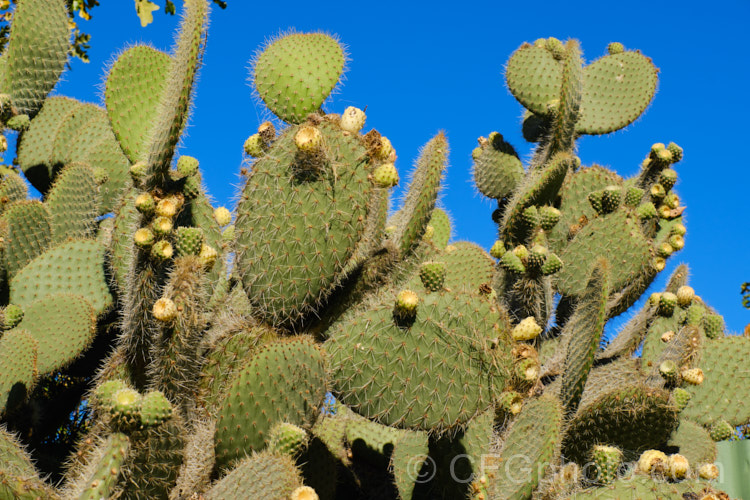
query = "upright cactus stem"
{"x": 314, "y": 342}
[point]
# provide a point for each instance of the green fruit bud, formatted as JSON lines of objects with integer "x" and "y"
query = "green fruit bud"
{"x": 155, "y": 408}
{"x": 633, "y": 196}
{"x": 607, "y": 460}
{"x": 654, "y": 298}
{"x": 432, "y": 275}
{"x": 658, "y": 263}
{"x": 125, "y": 406}
{"x": 429, "y": 232}
{"x": 188, "y": 241}
{"x": 522, "y": 253}
{"x": 162, "y": 250}
{"x": 512, "y": 262}
{"x": 187, "y": 166}
{"x": 678, "y": 229}
{"x": 677, "y": 242}
{"x": 713, "y": 325}
{"x": 308, "y": 139}
{"x": 668, "y": 178}
{"x": 664, "y": 156}
{"x": 611, "y": 198}
{"x": 526, "y": 329}
{"x": 694, "y": 314}
{"x": 353, "y": 120}
{"x": 657, "y": 192}
{"x": 222, "y": 216}
{"x": 104, "y": 394}
{"x": 531, "y": 216}
{"x": 254, "y": 146}
{"x": 667, "y": 303}
{"x": 676, "y": 152}
{"x": 681, "y": 398}
{"x": 498, "y": 249}
{"x": 101, "y": 176}
{"x": 657, "y": 147}
{"x": 162, "y": 226}
{"x": 615, "y": 48}
{"x": 595, "y": 199}
{"x": 287, "y": 439}
{"x": 555, "y": 47}
{"x": 669, "y": 371}
{"x": 510, "y": 402}
{"x": 228, "y": 234}
{"x": 138, "y": 170}
{"x": 646, "y": 211}
{"x": 19, "y": 123}
{"x": 672, "y": 200}
{"x": 144, "y": 237}
{"x": 549, "y": 217}
{"x": 12, "y": 316}
{"x": 527, "y": 371}
{"x": 145, "y": 203}
{"x": 191, "y": 186}
{"x": 3, "y": 144}
{"x": 721, "y": 430}
{"x": 552, "y": 265}
{"x": 385, "y": 175}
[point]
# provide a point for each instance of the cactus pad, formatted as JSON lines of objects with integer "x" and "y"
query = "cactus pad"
{"x": 296, "y": 73}
{"x": 267, "y": 475}
{"x": 36, "y": 53}
{"x": 617, "y": 89}
{"x": 283, "y": 382}
{"x": 76, "y": 265}
{"x": 444, "y": 352}
{"x": 134, "y": 86}
{"x": 64, "y": 325}
{"x": 297, "y": 228}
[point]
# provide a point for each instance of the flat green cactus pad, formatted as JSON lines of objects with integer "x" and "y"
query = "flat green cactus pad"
{"x": 534, "y": 77}
{"x": 694, "y": 443}
{"x": 134, "y": 85}
{"x": 29, "y": 234}
{"x": 72, "y": 203}
{"x": 574, "y": 200}
{"x": 18, "y": 353}
{"x": 268, "y": 475}
{"x": 36, "y": 54}
{"x": 645, "y": 487}
{"x": 441, "y": 228}
{"x": 282, "y": 382}
{"x": 64, "y": 326}
{"x": 616, "y": 237}
{"x": 296, "y": 73}
{"x": 296, "y": 228}
{"x": 13, "y": 457}
{"x": 412, "y": 219}
{"x": 497, "y": 169}
{"x": 76, "y": 265}
{"x": 36, "y": 145}
{"x": 634, "y": 418}
{"x": 410, "y": 447}
{"x": 533, "y": 438}
{"x": 725, "y": 390}
{"x": 617, "y": 89}
{"x": 12, "y": 188}
{"x": 394, "y": 373}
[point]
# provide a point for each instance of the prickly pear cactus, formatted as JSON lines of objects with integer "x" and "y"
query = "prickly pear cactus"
{"x": 305, "y": 344}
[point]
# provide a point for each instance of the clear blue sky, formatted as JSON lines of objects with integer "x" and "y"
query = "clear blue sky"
{"x": 420, "y": 67}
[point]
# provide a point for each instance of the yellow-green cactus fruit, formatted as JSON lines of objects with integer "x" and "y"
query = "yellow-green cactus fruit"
{"x": 526, "y": 329}
{"x": 164, "y": 309}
